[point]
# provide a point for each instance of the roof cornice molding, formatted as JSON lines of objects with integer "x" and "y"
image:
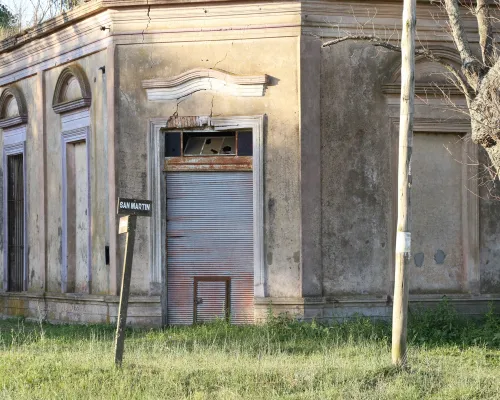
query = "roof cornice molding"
{"x": 54, "y": 24}
{"x": 91, "y": 7}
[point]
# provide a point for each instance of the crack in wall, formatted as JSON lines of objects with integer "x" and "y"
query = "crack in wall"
{"x": 149, "y": 21}
{"x": 218, "y": 62}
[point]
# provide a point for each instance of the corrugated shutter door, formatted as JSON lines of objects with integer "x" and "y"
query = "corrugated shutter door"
{"x": 209, "y": 234}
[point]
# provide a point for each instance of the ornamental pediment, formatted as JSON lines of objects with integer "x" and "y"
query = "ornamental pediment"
{"x": 204, "y": 79}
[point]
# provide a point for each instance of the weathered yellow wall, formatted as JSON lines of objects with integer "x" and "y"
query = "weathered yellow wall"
{"x": 274, "y": 57}
{"x": 98, "y": 168}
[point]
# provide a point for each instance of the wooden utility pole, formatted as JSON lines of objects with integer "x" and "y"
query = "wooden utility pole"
{"x": 403, "y": 234}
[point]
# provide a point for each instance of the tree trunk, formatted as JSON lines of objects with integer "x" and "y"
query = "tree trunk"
{"x": 485, "y": 115}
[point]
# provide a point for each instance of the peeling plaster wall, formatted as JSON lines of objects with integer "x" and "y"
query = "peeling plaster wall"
{"x": 359, "y": 183}
{"x": 356, "y": 170}
{"x": 437, "y": 214}
{"x": 34, "y": 181}
{"x": 358, "y": 154}
{"x": 489, "y": 215}
{"x": 98, "y": 181}
{"x": 2, "y": 288}
{"x": 275, "y": 57}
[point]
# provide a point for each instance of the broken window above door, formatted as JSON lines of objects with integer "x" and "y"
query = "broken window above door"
{"x": 192, "y": 144}
{"x": 213, "y": 145}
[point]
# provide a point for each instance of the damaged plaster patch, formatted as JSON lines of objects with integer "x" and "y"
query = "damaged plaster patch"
{"x": 419, "y": 259}
{"x": 439, "y": 257}
{"x": 269, "y": 258}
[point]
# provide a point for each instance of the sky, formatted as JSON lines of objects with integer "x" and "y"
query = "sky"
{"x": 25, "y": 5}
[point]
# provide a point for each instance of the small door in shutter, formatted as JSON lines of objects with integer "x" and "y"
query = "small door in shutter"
{"x": 209, "y": 235}
{"x": 212, "y": 299}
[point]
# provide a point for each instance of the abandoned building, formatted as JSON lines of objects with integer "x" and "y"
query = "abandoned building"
{"x": 270, "y": 161}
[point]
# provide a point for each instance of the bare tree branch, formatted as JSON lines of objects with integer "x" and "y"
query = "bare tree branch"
{"x": 485, "y": 33}
{"x": 470, "y": 65}
{"x": 421, "y": 51}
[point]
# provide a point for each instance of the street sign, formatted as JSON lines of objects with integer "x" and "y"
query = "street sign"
{"x": 131, "y": 208}
{"x": 134, "y": 207}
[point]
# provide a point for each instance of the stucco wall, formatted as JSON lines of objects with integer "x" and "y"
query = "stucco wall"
{"x": 359, "y": 182}
{"x": 354, "y": 218}
{"x": 489, "y": 215}
{"x": 356, "y": 170}
{"x": 33, "y": 158}
{"x": 98, "y": 166}
{"x": 437, "y": 248}
{"x": 274, "y": 57}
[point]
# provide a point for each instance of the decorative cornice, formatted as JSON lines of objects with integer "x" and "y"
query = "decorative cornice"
{"x": 424, "y": 89}
{"x": 195, "y": 80}
{"x": 204, "y": 73}
{"x": 10, "y": 122}
{"x": 58, "y": 104}
{"x": 445, "y": 53}
{"x": 71, "y": 105}
{"x": 22, "y": 116}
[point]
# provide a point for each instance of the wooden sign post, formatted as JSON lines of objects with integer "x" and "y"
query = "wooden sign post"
{"x": 131, "y": 208}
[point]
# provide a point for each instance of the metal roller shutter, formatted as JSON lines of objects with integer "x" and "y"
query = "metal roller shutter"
{"x": 15, "y": 222}
{"x": 210, "y": 237}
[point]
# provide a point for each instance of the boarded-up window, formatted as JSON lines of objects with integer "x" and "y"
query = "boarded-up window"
{"x": 77, "y": 214}
{"x": 15, "y": 222}
{"x": 437, "y": 259}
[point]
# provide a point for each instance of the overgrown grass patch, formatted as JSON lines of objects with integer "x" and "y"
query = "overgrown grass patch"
{"x": 449, "y": 358}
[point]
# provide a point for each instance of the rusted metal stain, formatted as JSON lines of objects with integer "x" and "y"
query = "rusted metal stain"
{"x": 187, "y": 122}
{"x": 209, "y": 238}
{"x": 207, "y": 163}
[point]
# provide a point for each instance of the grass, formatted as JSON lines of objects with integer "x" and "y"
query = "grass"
{"x": 449, "y": 358}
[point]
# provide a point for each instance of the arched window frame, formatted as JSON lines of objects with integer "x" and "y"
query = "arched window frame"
{"x": 13, "y": 92}
{"x": 59, "y": 104}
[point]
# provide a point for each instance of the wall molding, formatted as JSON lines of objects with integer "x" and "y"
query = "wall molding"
{"x": 393, "y": 86}
{"x": 58, "y": 103}
{"x": 67, "y": 137}
{"x": 13, "y": 92}
{"x": 14, "y": 136}
{"x": 470, "y": 200}
{"x": 204, "y": 79}
{"x": 15, "y": 145}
